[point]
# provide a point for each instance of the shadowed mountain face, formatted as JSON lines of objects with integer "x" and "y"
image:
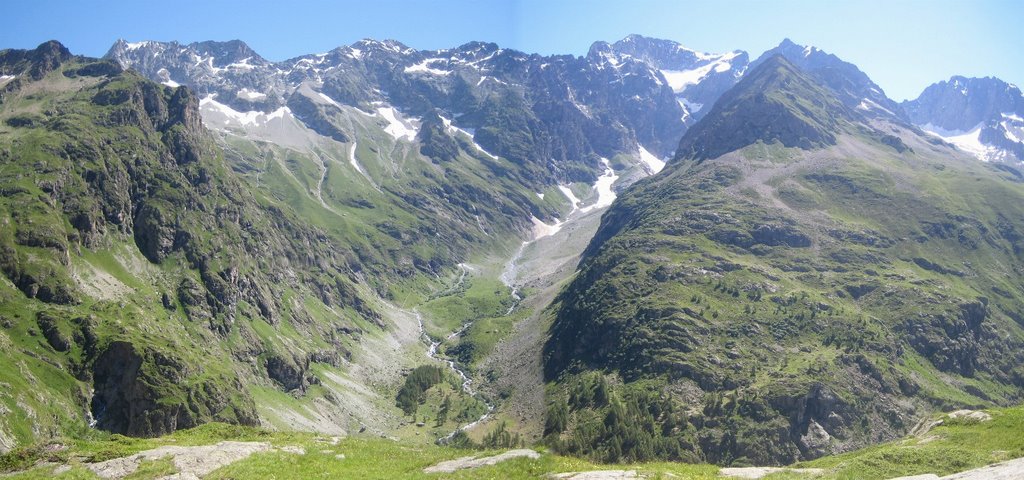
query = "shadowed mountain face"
{"x": 797, "y": 287}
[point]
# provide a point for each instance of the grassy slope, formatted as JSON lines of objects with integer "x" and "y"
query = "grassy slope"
{"x": 688, "y": 300}
{"x": 954, "y": 446}
{"x": 411, "y": 217}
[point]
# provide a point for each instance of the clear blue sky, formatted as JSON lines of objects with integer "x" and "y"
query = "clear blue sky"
{"x": 904, "y": 45}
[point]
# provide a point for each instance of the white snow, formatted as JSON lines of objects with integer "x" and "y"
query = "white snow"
{"x": 575, "y": 202}
{"x": 6, "y": 78}
{"x": 699, "y": 55}
{"x": 165, "y": 78}
{"x": 424, "y": 67}
{"x": 328, "y": 99}
{"x": 136, "y": 45}
{"x": 541, "y": 229}
{"x": 680, "y": 79}
{"x": 247, "y": 94}
{"x": 603, "y": 185}
{"x": 453, "y": 130}
{"x": 940, "y": 132}
{"x": 968, "y": 142}
{"x": 867, "y": 104}
{"x": 355, "y": 163}
{"x": 242, "y": 65}
{"x": 691, "y": 107}
{"x": 398, "y": 128}
{"x": 355, "y": 52}
{"x": 216, "y": 112}
{"x": 279, "y": 113}
{"x": 650, "y": 161}
{"x": 540, "y": 195}
{"x": 1013, "y": 126}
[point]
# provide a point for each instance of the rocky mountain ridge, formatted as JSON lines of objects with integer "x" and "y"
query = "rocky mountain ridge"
{"x": 980, "y": 115}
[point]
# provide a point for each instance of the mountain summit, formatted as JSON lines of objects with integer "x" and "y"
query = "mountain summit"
{"x": 852, "y": 86}
{"x": 774, "y": 102}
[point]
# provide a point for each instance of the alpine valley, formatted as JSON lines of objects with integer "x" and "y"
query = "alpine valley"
{"x": 370, "y": 262}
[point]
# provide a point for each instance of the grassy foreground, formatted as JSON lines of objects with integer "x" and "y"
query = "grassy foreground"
{"x": 955, "y": 445}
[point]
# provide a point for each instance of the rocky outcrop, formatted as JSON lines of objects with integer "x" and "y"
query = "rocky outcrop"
{"x": 143, "y": 391}
{"x": 287, "y": 372}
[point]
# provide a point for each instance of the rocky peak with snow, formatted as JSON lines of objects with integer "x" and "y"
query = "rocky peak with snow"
{"x": 553, "y": 115}
{"x": 962, "y": 103}
{"x": 982, "y": 116}
{"x": 851, "y": 85}
{"x": 228, "y": 53}
{"x": 697, "y": 78}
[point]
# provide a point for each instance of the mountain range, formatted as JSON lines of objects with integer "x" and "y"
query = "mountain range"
{"x": 645, "y": 252}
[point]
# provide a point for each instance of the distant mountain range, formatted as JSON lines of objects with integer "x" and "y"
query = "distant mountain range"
{"x": 622, "y": 83}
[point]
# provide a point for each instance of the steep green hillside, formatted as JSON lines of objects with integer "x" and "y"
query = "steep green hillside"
{"x": 818, "y": 288}
{"x": 144, "y": 285}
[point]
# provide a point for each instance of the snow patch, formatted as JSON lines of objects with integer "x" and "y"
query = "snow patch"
{"x": 217, "y": 112}
{"x": 968, "y": 142}
{"x": 679, "y": 80}
{"x": 135, "y": 46}
{"x": 691, "y": 107}
{"x": 1013, "y": 127}
{"x": 541, "y": 229}
{"x": 540, "y": 195}
{"x": 397, "y": 127}
{"x": 242, "y": 65}
{"x": 699, "y": 55}
{"x": 355, "y": 163}
{"x": 453, "y": 130}
{"x": 867, "y": 104}
{"x": 424, "y": 67}
{"x": 6, "y": 78}
{"x": 603, "y": 185}
{"x": 246, "y": 94}
{"x": 165, "y": 78}
{"x": 575, "y": 202}
{"x": 329, "y": 100}
{"x": 652, "y": 163}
